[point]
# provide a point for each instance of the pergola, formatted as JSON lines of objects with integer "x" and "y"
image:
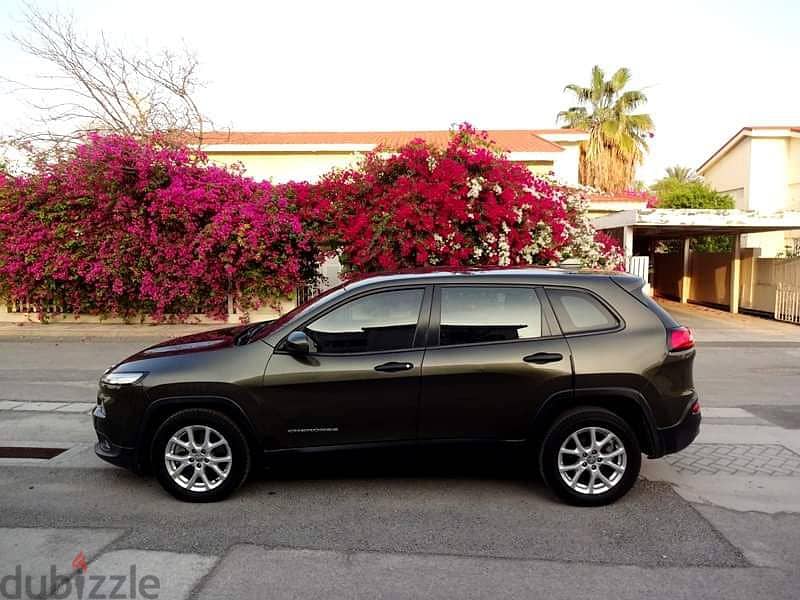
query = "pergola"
{"x": 687, "y": 223}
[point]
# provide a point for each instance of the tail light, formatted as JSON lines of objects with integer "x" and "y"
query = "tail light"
{"x": 680, "y": 338}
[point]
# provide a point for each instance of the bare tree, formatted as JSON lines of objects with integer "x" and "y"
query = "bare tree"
{"x": 94, "y": 85}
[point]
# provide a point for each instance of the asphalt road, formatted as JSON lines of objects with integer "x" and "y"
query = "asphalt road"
{"x": 471, "y": 525}
{"x": 438, "y": 525}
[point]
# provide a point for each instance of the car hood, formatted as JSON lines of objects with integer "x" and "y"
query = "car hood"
{"x": 195, "y": 342}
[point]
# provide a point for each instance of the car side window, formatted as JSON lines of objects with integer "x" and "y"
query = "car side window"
{"x": 374, "y": 323}
{"x": 480, "y": 314}
{"x": 580, "y": 312}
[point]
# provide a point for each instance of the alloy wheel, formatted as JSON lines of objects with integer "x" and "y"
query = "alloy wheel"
{"x": 592, "y": 460}
{"x": 198, "y": 458}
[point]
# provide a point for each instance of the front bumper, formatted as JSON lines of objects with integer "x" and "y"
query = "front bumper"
{"x": 115, "y": 454}
{"x": 676, "y": 438}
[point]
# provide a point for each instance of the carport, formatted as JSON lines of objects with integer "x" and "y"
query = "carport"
{"x": 640, "y": 228}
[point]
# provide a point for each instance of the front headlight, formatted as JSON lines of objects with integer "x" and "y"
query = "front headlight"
{"x": 122, "y": 378}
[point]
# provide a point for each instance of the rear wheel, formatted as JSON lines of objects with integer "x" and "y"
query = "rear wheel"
{"x": 590, "y": 457}
{"x": 200, "y": 455}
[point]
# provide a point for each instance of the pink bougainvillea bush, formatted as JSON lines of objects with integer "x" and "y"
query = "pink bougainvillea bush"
{"x": 127, "y": 228}
{"x": 462, "y": 205}
{"x": 123, "y": 228}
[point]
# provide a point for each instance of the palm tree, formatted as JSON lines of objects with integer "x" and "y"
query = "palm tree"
{"x": 682, "y": 174}
{"x": 676, "y": 177}
{"x": 617, "y": 137}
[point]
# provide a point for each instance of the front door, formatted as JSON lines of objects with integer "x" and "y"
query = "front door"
{"x": 495, "y": 357}
{"x": 361, "y": 380}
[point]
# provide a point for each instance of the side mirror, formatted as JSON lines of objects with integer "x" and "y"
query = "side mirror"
{"x": 298, "y": 343}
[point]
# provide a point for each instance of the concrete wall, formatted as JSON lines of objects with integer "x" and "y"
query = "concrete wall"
{"x": 710, "y": 278}
{"x": 280, "y": 167}
{"x": 760, "y": 277}
{"x": 20, "y": 312}
{"x": 566, "y": 162}
{"x": 761, "y": 172}
{"x": 667, "y": 273}
{"x": 769, "y": 173}
{"x": 769, "y": 190}
{"x": 794, "y": 174}
{"x": 540, "y": 167}
{"x": 731, "y": 173}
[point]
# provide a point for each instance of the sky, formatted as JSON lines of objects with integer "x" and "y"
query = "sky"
{"x": 707, "y": 67}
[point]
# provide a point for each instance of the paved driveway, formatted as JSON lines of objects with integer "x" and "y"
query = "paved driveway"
{"x": 714, "y": 326}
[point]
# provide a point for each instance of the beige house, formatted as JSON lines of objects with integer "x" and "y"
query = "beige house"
{"x": 760, "y": 168}
{"x": 286, "y": 156}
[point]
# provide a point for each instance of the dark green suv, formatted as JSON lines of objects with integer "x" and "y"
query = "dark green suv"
{"x": 581, "y": 368}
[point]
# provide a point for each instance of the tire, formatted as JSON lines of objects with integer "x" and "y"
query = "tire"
{"x": 215, "y": 478}
{"x": 597, "y": 478}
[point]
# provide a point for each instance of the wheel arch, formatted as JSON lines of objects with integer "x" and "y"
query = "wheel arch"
{"x": 627, "y": 403}
{"x": 159, "y": 410}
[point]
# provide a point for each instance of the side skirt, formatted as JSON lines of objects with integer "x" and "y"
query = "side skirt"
{"x": 363, "y": 446}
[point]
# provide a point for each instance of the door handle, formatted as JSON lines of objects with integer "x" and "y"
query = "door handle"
{"x": 541, "y": 358}
{"x": 393, "y": 367}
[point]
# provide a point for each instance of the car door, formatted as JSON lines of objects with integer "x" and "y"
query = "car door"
{"x": 360, "y": 381}
{"x": 495, "y": 353}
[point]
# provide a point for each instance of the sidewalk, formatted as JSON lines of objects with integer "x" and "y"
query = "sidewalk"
{"x": 11, "y": 332}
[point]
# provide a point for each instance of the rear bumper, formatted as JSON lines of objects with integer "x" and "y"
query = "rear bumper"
{"x": 676, "y": 438}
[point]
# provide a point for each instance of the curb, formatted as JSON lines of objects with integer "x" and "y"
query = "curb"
{"x": 47, "y": 407}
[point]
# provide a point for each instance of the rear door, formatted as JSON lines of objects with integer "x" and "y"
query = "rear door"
{"x": 494, "y": 354}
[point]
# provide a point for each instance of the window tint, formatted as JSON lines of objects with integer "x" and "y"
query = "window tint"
{"x": 382, "y": 321}
{"x": 472, "y": 315}
{"x": 580, "y": 311}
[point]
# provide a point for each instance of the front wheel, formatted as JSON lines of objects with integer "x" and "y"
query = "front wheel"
{"x": 590, "y": 457}
{"x": 200, "y": 455}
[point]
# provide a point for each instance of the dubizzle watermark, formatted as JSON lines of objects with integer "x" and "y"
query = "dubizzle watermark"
{"x": 79, "y": 584}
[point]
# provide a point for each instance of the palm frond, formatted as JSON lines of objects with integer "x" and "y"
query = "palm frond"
{"x": 620, "y": 79}
{"x": 597, "y": 91}
{"x": 631, "y": 100}
{"x": 582, "y": 94}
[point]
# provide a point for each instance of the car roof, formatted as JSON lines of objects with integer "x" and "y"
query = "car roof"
{"x": 519, "y": 274}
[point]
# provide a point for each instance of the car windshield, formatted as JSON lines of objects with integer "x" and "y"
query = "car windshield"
{"x": 266, "y": 327}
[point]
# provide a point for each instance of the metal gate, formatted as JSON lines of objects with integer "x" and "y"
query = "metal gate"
{"x": 787, "y": 303}
{"x": 639, "y": 266}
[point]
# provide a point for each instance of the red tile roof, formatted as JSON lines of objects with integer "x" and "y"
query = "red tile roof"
{"x": 511, "y": 140}
{"x": 558, "y": 130}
